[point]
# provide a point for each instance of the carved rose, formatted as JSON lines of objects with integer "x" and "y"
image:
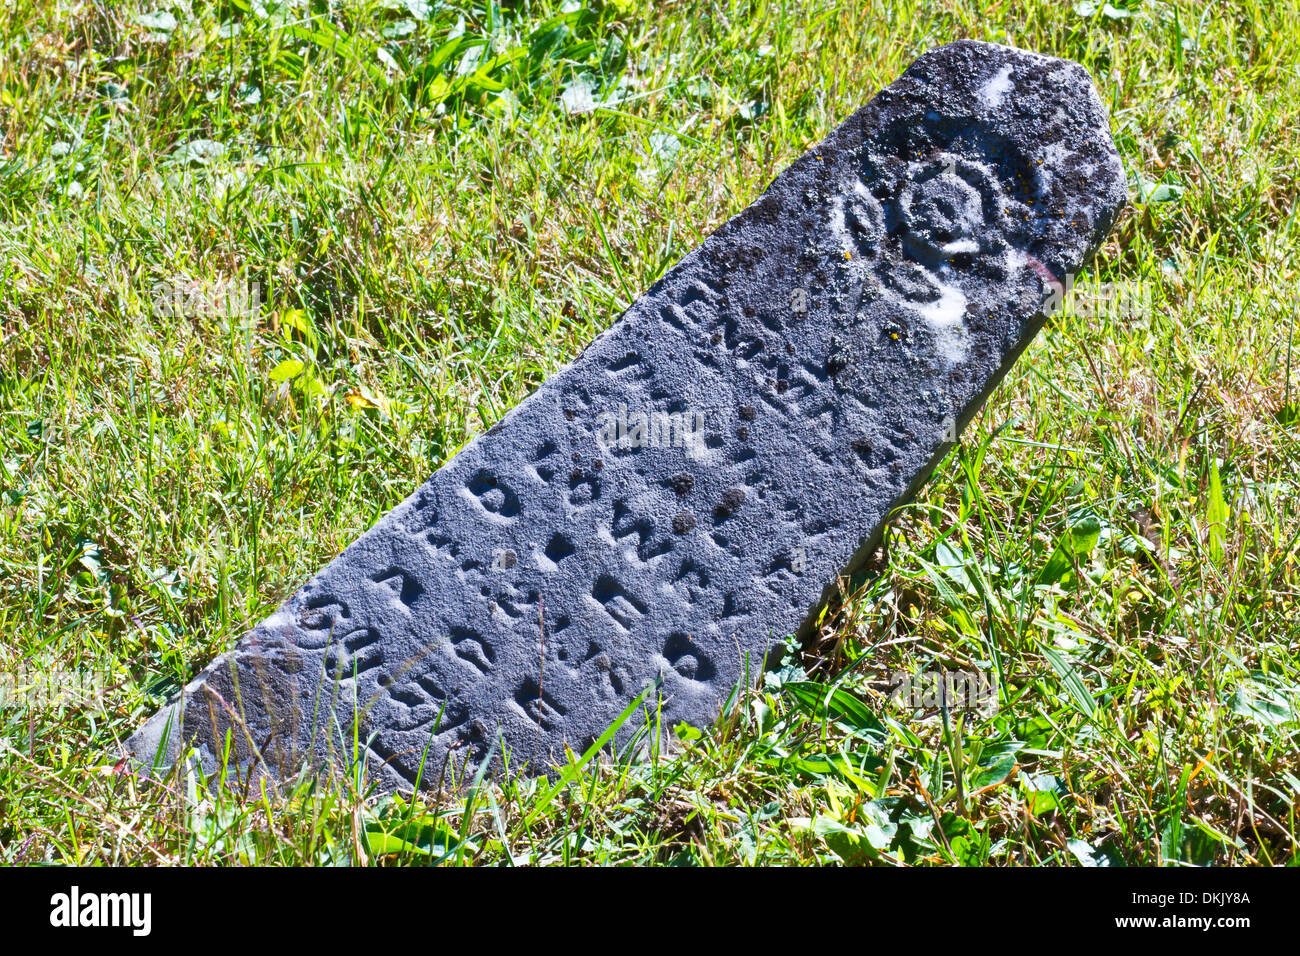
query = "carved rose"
{"x": 950, "y": 206}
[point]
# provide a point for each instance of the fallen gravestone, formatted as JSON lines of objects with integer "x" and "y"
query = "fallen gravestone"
{"x": 684, "y": 496}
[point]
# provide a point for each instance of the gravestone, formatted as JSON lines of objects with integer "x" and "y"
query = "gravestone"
{"x": 686, "y": 494}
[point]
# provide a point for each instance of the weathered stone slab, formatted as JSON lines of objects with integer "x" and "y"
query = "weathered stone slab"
{"x": 685, "y": 494}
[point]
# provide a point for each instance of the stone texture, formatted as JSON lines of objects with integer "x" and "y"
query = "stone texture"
{"x": 686, "y": 493}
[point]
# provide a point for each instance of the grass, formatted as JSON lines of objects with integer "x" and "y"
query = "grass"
{"x": 266, "y": 266}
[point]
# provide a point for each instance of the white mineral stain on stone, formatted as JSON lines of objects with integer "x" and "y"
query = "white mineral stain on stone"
{"x": 946, "y": 318}
{"x": 1054, "y": 157}
{"x": 1055, "y": 154}
{"x": 1015, "y": 260}
{"x": 279, "y": 620}
{"x": 840, "y": 238}
{"x": 960, "y": 245}
{"x": 998, "y": 87}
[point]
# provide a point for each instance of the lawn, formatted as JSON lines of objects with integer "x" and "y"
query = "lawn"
{"x": 267, "y": 265}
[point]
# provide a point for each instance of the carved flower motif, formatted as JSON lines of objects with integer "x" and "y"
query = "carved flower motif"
{"x": 946, "y": 206}
{"x": 949, "y": 206}
{"x": 947, "y": 215}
